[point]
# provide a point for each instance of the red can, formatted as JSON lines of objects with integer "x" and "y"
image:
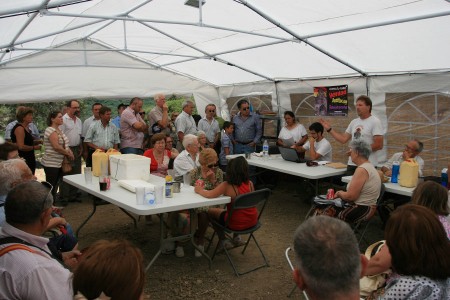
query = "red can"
{"x": 330, "y": 194}
{"x": 200, "y": 182}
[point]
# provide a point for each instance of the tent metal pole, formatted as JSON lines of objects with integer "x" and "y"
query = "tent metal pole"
{"x": 35, "y": 8}
{"x": 281, "y": 26}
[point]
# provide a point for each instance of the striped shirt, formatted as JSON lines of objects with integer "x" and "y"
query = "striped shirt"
{"x": 52, "y": 158}
{"x": 102, "y": 136}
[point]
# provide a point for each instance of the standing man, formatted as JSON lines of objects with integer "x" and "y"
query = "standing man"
{"x": 120, "y": 109}
{"x": 132, "y": 128}
{"x": 329, "y": 264}
{"x": 72, "y": 128}
{"x": 365, "y": 127}
{"x": 185, "y": 123}
{"x": 103, "y": 134}
{"x": 247, "y": 129}
{"x": 210, "y": 125}
{"x": 319, "y": 147}
{"x": 158, "y": 117}
{"x": 87, "y": 152}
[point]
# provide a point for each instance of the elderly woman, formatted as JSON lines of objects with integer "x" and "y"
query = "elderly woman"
{"x": 362, "y": 191}
{"x": 202, "y": 140}
{"x": 292, "y": 130}
{"x": 159, "y": 156}
{"x": 211, "y": 176}
{"x": 187, "y": 160}
{"x": 420, "y": 251}
{"x": 56, "y": 146}
{"x": 22, "y": 136}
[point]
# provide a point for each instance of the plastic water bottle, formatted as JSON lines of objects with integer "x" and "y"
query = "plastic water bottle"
{"x": 266, "y": 149}
{"x": 395, "y": 171}
{"x": 444, "y": 177}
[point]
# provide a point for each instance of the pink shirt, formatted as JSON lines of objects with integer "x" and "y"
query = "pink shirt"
{"x": 130, "y": 137}
{"x": 26, "y": 275}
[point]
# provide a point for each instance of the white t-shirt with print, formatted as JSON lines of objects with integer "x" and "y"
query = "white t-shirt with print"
{"x": 323, "y": 148}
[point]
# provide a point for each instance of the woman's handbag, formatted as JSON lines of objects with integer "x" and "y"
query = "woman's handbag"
{"x": 371, "y": 283}
{"x": 66, "y": 165}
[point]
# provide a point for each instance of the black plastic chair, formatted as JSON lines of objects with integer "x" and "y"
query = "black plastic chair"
{"x": 256, "y": 199}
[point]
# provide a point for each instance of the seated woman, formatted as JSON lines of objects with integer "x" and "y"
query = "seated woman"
{"x": 420, "y": 251}
{"x": 362, "y": 191}
{"x": 202, "y": 140}
{"x": 211, "y": 176}
{"x": 159, "y": 156}
{"x": 292, "y": 130}
{"x": 237, "y": 183}
{"x": 429, "y": 194}
{"x": 110, "y": 270}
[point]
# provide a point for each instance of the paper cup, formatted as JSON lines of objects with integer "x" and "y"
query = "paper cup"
{"x": 140, "y": 195}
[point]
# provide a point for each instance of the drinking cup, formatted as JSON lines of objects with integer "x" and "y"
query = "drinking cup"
{"x": 88, "y": 175}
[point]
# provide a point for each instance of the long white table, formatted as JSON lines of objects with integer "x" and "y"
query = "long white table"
{"x": 277, "y": 163}
{"x": 126, "y": 200}
{"x": 390, "y": 187}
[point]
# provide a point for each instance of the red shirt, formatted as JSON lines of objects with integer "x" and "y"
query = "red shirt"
{"x": 154, "y": 163}
{"x": 242, "y": 218}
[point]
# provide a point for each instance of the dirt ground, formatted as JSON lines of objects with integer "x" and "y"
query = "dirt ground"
{"x": 190, "y": 277}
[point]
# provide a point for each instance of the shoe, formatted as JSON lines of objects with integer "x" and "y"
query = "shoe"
{"x": 179, "y": 251}
{"x": 198, "y": 253}
{"x": 227, "y": 244}
{"x": 237, "y": 241}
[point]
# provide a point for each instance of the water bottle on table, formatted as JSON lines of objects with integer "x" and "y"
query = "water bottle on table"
{"x": 265, "y": 149}
{"x": 395, "y": 171}
{"x": 444, "y": 177}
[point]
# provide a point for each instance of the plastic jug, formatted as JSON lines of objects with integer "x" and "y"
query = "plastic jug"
{"x": 409, "y": 173}
{"x": 111, "y": 151}
{"x": 99, "y": 158}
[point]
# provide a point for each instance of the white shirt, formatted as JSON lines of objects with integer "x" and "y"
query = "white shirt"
{"x": 323, "y": 148}
{"x": 72, "y": 129}
{"x": 296, "y": 133}
{"x": 210, "y": 129}
{"x": 365, "y": 130}
{"x": 399, "y": 157}
{"x": 32, "y": 276}
{"x": 86, "y": 124}
{"x": 185, "y": 123}
{"x": 184, "y": 163}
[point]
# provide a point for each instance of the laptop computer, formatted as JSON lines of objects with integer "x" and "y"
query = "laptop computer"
{"x": 290, "y": 154}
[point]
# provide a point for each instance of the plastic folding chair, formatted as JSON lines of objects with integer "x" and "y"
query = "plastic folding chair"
{"x": 256, "y": 199}
{"x": 286, "y": 253}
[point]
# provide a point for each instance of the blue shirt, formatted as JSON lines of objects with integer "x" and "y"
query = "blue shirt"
{"x": 2, "y": 209}
{"x": 248, "y": 130}
{"x": 226, "y": 143}
{"x": 116, "y": 121}
{"x": 33, "y": 129}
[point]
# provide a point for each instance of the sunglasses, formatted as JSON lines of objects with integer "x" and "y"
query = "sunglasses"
{"x": 211, "y": 111}
{"x": 50, "y": 187}
{"x": 212, "y": 165}
{"x": 142, "y": 113}
{"x": 245, "y": 108}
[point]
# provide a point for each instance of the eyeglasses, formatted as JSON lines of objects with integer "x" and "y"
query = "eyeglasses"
{"x": 50, "y": 187}
{"x": 407, "y": 148}
{"x": 142, "y": 113}
{"x": 211, "y": 111}
{"x": 245, "y": 108}
{"x": 76, "y": 107}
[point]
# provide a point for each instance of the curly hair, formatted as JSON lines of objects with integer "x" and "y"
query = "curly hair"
{"x": 208, "y": 156}
{"x": 22, "y": 111}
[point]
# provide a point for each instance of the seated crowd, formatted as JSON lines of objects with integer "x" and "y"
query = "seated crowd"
{"x": 39, "y": 253}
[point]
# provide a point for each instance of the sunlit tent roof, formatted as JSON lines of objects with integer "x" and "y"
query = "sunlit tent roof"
{"x": 55, "y": 49}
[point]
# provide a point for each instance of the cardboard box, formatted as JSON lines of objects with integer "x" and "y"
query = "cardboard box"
{"x": 129, "y": 166}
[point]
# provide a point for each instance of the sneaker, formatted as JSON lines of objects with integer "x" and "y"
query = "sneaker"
{"x": 227, "y": 244}
{"x": 179, "y": 251}
{"x": 237, "y": 241}
{"x": 198, "y": 253}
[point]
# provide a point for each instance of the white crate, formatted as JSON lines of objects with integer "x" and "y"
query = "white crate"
{"x": 129, "y": 166}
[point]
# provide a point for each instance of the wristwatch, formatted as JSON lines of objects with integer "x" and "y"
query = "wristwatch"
{"x": 329, "y": 129}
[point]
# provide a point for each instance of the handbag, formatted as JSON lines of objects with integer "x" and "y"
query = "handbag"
{"x": 371, "y": 283}
{"x": 66, "y": 165}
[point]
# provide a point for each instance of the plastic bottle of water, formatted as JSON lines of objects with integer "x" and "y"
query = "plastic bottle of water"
{"x": 444, "y": 177}
{"x": 395, "y": 171}
{"x": 266, "y": 149}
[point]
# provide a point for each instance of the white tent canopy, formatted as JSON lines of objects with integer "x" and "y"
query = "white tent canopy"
{"x": 54, "y": 49}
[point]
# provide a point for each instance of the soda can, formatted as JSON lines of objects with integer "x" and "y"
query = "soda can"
{"x": 330, "y": 194}
{"x": 200, "y": 182}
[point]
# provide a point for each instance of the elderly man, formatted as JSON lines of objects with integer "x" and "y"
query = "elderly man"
{"x": 329, "y": 264}
{"x": 185, "y": 123}
{"x": 247, "y": 129}
{"x": 210, "y": 125}
{"x": 103, "y": 134}
{"x": 120, "y": 108}
{"x": 366, "y": 127}
{"x": 87, "y": 152}
{"x": 29, "y": 269}
{"x": 412, "y": 150}
{"x": 158, "y": 117}
{"x": 132, "y": 128}
{"x": 72, "y": 128}
{"x": 319, "y": 147}
{"x": 187, "y": 160}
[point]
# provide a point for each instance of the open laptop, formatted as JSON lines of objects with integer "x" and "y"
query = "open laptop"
{"x": 290, "y": 154}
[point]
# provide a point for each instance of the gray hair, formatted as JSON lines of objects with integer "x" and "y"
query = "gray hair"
{"x": 362, "y": 148}
{"x": 11, "y": 173}
{"x": 186, "y": 103}
{"x": 200, "y": 133}
{"x": 158, "y": 96}
{"x": 328, "y": 256}
{"x": 420, "y": 144}
{"x": 188, "y": 139}
{"x": 26, "y": 201}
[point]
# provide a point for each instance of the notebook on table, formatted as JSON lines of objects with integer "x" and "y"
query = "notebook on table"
{"x": 290, "y": 154}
